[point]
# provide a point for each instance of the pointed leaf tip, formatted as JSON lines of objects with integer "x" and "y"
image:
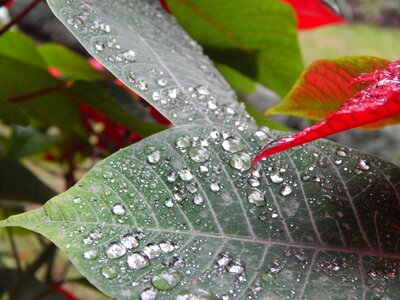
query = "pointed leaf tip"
{"x": 379, "y": 101}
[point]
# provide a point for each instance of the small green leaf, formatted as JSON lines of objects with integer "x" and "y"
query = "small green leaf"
{"x": 71, "y": 65}
{"x": 20, "y": 47}
{"x": 28, "y": 141}
{"x": 18, "y": 183}
{"x": 181, "y": 213}
{"x": 257, "y": 38}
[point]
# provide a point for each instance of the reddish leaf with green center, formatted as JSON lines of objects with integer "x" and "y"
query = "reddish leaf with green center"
{"x": 313, "y": 13}
{"x": 379, "y": 101}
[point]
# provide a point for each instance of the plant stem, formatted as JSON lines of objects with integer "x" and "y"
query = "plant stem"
{"x": 18, "y": 17}
{"x": 42, "y": 92}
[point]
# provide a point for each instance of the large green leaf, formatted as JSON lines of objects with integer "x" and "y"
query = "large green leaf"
{"x": 144, "y": 48}
{"x": 318, "y": 222}
{"x": 258, "y": 38}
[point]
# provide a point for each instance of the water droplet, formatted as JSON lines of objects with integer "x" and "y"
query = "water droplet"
{"x": 223, "y": 259}
{"x": 137, "y": 261}
{"x": 165, "y": 279}
{"x": 129, "y": 241}
{"x": 90, "y": 254}
{"x": 169, "y": 203}
{"x": 199, "y": 154}
{"x": 236, "y": 267}
{"x": 118, "y": 209}
{"x": 192, "y": 187}
{"x": 99, "y": 46}
{"x": 154, "y": 157}
{"x": 129, "y": 55}
{"x": 115, "y": 250}
{"x": 215, "y": 187}
{"x": 276, "y": 178}
{"x": 241, "y": 162}
{"x": 185, "y": 174}
{"x": 274, "y": 215}
{"x": 166, "y": 247}
{"x": 286, "y": 190}
{"x": 142, "y": 85}
{"x": 341, "y": 152}
{"x": 162, "y": 82}
{"x": 183, "y": 142}
{"x": 77, "y": 200}
{"x": 363, "y": 165}
{"x": 172, "y": 176}
{"x": 198, "y": 199}
{"x": 148, "y": 294}
{"x": 203, "y": 90}
{"x": 333, "y": 267}
{"x": 273, "y": 268}
{"x": 152, "y": 251}
{"x": 108, "y": 175}
{"x": 109, "y": 272}
{"x": 233, "y": 145}
{"x": 255, "y": 196}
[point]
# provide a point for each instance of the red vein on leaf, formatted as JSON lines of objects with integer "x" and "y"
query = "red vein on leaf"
{"x": 379, "y": 101}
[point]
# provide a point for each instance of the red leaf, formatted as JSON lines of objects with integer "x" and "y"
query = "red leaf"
{"x": 9, "y": 3}
{"x": 379, "y": 101}
{"x": 165, "y": 6}
{"x": 313, "y": 13}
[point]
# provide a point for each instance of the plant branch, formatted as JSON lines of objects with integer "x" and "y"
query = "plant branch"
{"x": 18, "y": 17}
{"x": 42, "y": 92}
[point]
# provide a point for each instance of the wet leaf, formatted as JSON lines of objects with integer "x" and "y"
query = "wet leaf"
{"x": 176, "y": 215}
{"x": 138, "y": 52}
{"x": 325, "y": 85}
{"x": 378, "y": 102}
{"x": 258, "y": 38}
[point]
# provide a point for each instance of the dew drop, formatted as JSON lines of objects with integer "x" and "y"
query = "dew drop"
{"x": 90, "y": 254}
{"x": 199, "y": 154}
{"x": 241, "y": 162}
{"x": 162, "y": 82}
{"x": 185, "y": 174}
{"x": 233, "y": 145}
{"x": 109, "y": 272}
{"x": 363, "y": 165}
{"x": 154, "y": 157}
{"x": 115, "y": 250}
{"x": 198, "y": 199}
{"x": 276, "y": 178}
{"x": 152, "y": 251}
{"x": 215, "y": 187}
{"x": 183, "y": 142}
{"x": 203, "y": 90}
{"x": 256, "y": 197}
{"x": 148, "y": 294}
{"x": 235, "y": 267}
{"x": 77, "y": 200}
{"x": 223, "y": 259}
{"x": 118, "y": 209}
{"x": 286, "y": 190}
{"x": 172, "y": 176}
{"x": 129, "y": 55}
{"x": 99, "y": 46}
{"x": 165, "y": 279}
{"x": 129, "y": 241}
{"x": 137, "y": 261}
{"x": 166, "y": 247}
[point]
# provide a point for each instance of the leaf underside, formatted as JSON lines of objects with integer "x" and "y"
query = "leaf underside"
{"x": 322, "y": 222}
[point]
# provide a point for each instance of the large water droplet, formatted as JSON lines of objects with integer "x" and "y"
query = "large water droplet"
{"x": 137, "y": 261}
{"x": 198, "y": 199}
{"x": 90, "y": 254}
{"x": 255, "y": 196}
{"x": 166, "y": 247}
{"x": 152, "y": 251}
{"x": 276, "y": 178}
{"x": 165, "y": 279}
{"x": 129, "y": 55}
{"x": 363, "y": 165}
{"x": 183, "y": 142}
{"x": 286, "y": 190}
{"x": 148, "y": 294}
{"x": 223, "y": 259}
{"x": 129, "y": 241}
{"x": 154, "y": 157}
{"x": 233, "y": 145}
{"x": 235, "y": 267}
{"x": 115, "y": 250}
{"x": 241, "y": 162}
{"x": 118, "y": 209}
{"x": 199, "y": 154}
{"x": 215, "y": 186}
{"x": 185, "y": 174}
{"x": 109, "y": 272}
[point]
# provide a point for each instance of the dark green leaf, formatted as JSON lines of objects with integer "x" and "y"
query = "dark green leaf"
{"x": 258, "y": 38}
{"x": 11, "y": 114}
{"x": 18, "y": 183}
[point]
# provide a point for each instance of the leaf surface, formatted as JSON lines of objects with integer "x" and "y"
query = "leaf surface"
{"x": 308, "y": 222}
{"x": 143, "y": 47}
{"x": 258, "y": 38}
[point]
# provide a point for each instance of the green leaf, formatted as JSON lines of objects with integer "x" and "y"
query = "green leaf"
{"x": 125, "y": 110}
{"x": 10, "y": 114}
{"x": 258, "y": 38}
{"x": 46, "y": 102}
{"x": 20, "y": 47}
{"x": 71, "y": 65}
{"x": 182, "y": 84}
{"x": 18, "y": 183}
{"x": 28, "y": 141}
{"x": 176, "y": 213}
